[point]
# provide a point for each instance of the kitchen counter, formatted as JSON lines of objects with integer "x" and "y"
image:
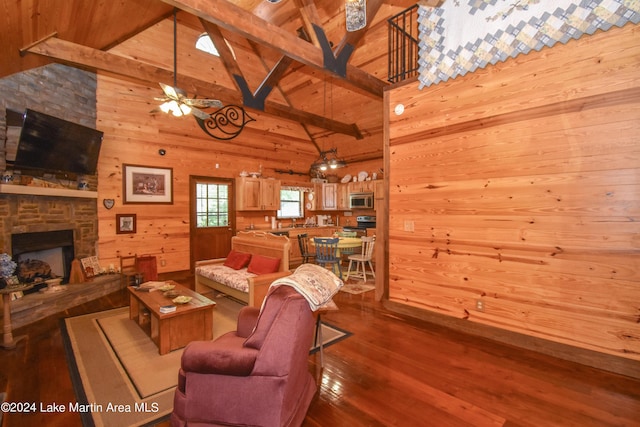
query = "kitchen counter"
{"x": 275, "y": 230}
{"x": 301, "y": 229}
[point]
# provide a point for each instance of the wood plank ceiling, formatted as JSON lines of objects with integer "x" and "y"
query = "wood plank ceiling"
{"x": 336, "y": 96}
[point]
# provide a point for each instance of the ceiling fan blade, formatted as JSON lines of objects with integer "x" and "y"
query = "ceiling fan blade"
{"x": 170, "y": 91}
{"x": 203, "y": 103}
{"x": 200, "y": 114}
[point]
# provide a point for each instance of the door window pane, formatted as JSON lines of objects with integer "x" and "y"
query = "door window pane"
{"x": 212, "y": 205}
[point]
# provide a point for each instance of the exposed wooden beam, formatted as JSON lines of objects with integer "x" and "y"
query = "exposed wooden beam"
{"x": 254, "y": 46}
{"x": 96, "y": 60}
{"x": 310, "y": 16}
{"x": 254, "y": 99}
{"x": 238, "y": 20}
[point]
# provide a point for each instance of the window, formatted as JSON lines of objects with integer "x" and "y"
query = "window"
{"x": 212, "y": 205}
{"x": 291, "y": 204}
{"x": 205, "y": 44}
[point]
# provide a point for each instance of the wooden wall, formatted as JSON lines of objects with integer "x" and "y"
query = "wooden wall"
{"x": 518, "y": 186}
{"x": 133, "y": 136}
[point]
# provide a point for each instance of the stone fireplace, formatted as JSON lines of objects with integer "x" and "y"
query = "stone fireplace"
{"x": 43, "y": 255}
{"x": 56, "y": 227}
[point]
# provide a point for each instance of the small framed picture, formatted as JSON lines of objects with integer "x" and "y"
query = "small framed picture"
{"x": 91, "y": 266}
{"x": 125, "y": 223}
{"x": 143, "y": 184}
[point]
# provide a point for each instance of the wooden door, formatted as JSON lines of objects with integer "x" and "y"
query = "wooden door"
{"x": 212, "y": 219}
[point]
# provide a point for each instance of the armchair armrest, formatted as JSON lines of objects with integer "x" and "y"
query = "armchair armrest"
{"x": 247, "y": 319}
{"x": 223, "y": 357}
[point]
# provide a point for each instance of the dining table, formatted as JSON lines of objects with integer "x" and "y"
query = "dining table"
{"x": 345, "y": 244}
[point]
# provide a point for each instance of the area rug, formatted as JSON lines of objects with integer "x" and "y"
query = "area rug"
{"x": 357, "y": 288}
{"x": 119, "y": 377}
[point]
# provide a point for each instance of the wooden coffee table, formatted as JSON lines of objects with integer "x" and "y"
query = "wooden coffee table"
{"x": 192, "y": 321}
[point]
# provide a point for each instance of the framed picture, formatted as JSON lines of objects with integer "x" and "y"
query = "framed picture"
{"x": 91, "y": 266}
{"x": 125, "y": 223}
{"x": 143, "y": 184}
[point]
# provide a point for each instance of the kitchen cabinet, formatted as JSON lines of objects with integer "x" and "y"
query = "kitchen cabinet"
{"x": 257, "y": 194}
{"x": 362, "y": 187}
{"x": 329, "y": 197}
{"x": 343, "y": 197}
{"x": 379, "y": 191}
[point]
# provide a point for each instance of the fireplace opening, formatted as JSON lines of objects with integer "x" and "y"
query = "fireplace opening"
{"x": 43, "y": 255}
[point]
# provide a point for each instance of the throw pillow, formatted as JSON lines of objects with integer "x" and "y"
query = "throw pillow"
{"x": 237, "y": 260}
{"x": 261, "y": 264}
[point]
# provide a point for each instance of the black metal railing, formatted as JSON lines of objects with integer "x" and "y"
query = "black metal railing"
{"x": 403, "y": 45}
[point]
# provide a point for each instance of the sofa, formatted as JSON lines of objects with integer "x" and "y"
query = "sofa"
{"x": 256, "y": 259}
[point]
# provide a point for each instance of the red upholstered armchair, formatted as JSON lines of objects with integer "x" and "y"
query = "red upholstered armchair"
{"x": 251, "y": 377}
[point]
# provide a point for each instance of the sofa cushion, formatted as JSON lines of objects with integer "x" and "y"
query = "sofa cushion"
{"x": 236, "y": 279}
{"x": 261, "y": 264}
{"x": 237, "y": 260}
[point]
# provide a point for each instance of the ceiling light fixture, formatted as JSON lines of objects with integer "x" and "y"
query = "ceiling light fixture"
{"x": 328, "y": 160}
{"x": 355, "y": 14}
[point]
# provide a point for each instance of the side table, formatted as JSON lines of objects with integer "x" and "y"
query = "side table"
{"x": 8, "y": 342}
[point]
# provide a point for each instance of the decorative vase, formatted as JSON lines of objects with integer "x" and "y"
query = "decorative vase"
{"x": 3, "y": 283}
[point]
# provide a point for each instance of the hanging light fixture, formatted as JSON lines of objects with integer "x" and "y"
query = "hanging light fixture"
{"x": 328, "y": 160}
{"x": 356, "y": 14}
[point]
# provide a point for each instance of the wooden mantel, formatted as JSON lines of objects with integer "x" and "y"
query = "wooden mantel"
{"x": 46, "y": 191}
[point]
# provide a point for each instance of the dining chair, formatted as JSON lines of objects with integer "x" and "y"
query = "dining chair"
{"x": 327, "y": 253}
{"x": 129, "y": 270}
{"x": 303, "y": 242}
{"x": 345, "y": 252}
{"x": 363, "y": 259}
{"x": 347, "y": 234}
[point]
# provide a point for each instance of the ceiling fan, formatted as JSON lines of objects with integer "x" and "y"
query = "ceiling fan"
{"x": 224, "y": 124}
{"x": 176, "y": 102}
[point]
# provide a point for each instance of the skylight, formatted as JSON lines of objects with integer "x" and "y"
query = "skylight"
{"x": 205, "y": 44}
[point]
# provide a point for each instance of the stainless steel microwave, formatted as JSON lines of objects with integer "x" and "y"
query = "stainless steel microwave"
{"x": 361, "y": 201}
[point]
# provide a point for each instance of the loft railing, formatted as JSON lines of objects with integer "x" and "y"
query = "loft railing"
{"x": 403, "y": 45}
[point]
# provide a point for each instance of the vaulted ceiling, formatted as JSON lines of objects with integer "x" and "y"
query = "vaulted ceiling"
{"x": 323, "y": 89}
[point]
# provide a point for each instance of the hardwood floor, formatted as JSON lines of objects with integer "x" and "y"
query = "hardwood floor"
{"x": 393, "y": 371}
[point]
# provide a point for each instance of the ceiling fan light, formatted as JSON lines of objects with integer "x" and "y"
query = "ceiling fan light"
{"x": 165, "y": 107}
{"x": 185, "y": 109}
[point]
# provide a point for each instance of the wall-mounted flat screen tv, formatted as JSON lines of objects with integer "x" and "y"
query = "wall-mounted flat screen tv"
{"x": 54, "y": 145}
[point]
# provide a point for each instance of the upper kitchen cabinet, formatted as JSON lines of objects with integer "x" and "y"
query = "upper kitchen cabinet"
{"x": 342, "y": 197}
{"x": 362, "y": 187}
{"x": 257, "y": 194}
{"x": 330, "y": 197}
